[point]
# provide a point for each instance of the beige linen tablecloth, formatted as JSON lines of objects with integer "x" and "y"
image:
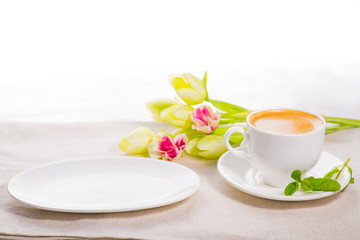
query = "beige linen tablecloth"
{"x": 215, "y": 211}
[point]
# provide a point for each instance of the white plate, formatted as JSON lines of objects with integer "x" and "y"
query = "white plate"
{"x": 109, "y": 184}
{"x": 239, "y": 174}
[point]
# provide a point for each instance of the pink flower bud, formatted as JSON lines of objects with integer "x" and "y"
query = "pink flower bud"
{"x": 204, "y": 119}
{"x": 167, "y": 148}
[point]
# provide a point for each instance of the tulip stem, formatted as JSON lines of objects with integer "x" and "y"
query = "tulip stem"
{"x": 241, "y": 115}
{"x": 232, "y": 120}
{"x": 337, "y": 128}
{"x": 342, "y": 124}
{"x": 347, "y": 121}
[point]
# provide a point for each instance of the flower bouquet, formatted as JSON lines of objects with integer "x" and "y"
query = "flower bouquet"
{"x": 201, "y": 123}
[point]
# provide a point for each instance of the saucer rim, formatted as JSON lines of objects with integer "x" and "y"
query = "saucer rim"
{"x": 309, "y": 196}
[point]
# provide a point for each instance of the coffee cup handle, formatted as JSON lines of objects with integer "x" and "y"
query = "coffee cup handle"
{"x": 243, "y": 152}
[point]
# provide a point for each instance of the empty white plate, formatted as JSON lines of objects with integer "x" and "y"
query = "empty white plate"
{"x": 238, "y": 173}
{"x": 108, "y": 184}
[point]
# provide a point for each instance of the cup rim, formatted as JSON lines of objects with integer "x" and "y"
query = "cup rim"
{"x": 284, "y": 134}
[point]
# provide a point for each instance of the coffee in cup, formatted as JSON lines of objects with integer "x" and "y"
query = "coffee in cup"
{"x": 285, "y": 121}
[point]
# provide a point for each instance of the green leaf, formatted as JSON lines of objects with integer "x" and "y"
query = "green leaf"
{"x": 204, "y": 82}
{"x": 237, "y": 115}
{"x": 332, "y": 172}
{"x": 351, "y": 181}
{"x": 306, "y": 184}
{"x": 190, "y": 133}
{"x": 221, "y": 130}
{"x": 291, "y": 188}
{"x": 325, "y": 184}
{"x": 231, "y": 120}
{"x": 320, "y": 184}
{"x": 227, "y": 107}
{"x": 296, "y": 175}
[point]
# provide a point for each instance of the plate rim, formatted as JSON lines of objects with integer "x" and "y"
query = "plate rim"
{"x": 158, "y": 203}
{"x": 285, "y": 198}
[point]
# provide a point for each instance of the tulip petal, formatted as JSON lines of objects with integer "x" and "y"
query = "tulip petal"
{"x": 191, "y": 147}
{"x": 172, "y": 155}
{"x": 141, "y": 134}
{"x": 137, "y": 141}
{"x": 206, "y": 112}
{"x": 212, "y": 154}
{"x": 176, "y": 121}
{"x": 153, "y": 149}
{"x": 177, "y": 81}
{"x": 166, "y": 114}
{"x": 182, "y": 111}
{"x": 211, "y": 146}
{"x": 156, "y": 106}
{"x": 196, "y": 83}
{"x": 190, "y": 96}
{"x": 138, "y": 148}
{"x": 205, "y": 129}
{"x": 181, "y": 141}
{"x": 180, "y": 123}
{"x": 210, "y": 142}
{"x": 158, "y": 118}
{"x": 166, "y": 144}
{"x": 198, "y": 123}
{"x": 123, "y": 144}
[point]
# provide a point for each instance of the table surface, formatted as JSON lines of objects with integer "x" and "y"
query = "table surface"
{"x": 215, "y": 211}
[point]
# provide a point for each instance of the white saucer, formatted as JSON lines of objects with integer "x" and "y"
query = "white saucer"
{"x": 238, "y": 173}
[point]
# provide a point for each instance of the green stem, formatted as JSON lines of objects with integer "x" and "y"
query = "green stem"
{"x": 347, "y": 121}
{"x": 338, "y": 128}
{"x": 337, "y": 176}
{"x": 227, "y": 107}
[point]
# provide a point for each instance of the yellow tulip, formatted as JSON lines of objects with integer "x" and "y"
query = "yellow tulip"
{"x": 156, "y": 106}
{"x": 137, "y": 141}
{"x": 178, "y": 115}
{"x": 209, "y": 146}
{"x": 188, "y": 87}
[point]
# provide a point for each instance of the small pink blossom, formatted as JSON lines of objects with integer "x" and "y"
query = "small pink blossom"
{"x": 167, "y": 148}
{"x": 204, "y": 119}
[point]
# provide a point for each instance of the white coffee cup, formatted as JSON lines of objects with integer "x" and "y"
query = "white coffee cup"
{"x": 277, "y": 155}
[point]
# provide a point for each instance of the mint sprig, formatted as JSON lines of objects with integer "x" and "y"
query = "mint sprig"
{"x": 328, "y": 183}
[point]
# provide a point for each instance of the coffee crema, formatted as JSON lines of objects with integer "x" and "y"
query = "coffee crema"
{"x": 285, "y": 121}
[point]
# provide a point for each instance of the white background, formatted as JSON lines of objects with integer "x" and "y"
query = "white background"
{"x": 71, "y": 60}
